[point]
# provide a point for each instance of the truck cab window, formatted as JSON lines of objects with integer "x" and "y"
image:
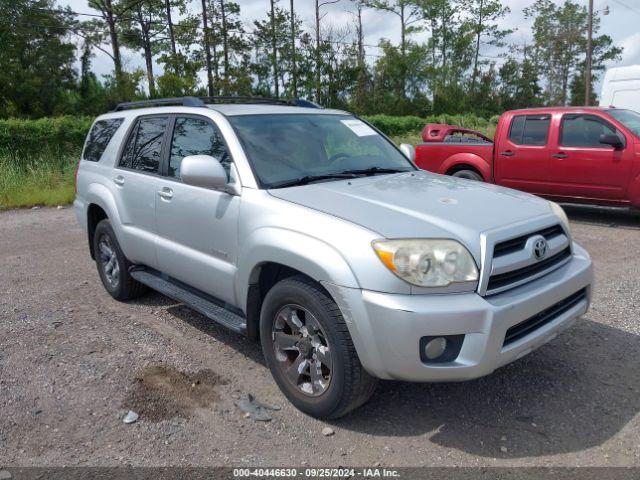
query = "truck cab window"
{"x": 584, "y": 131}
{"x": 530, "y": 129}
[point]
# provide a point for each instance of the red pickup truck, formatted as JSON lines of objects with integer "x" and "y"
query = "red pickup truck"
{"x": 572, "y": 154}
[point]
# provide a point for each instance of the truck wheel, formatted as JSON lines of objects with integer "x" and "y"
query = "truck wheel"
{"x": 468, "y": 174}
{"x": 309, "y": 351}
{"x": 113, "y": 266}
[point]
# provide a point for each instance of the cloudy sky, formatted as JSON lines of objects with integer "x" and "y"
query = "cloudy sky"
{"x": 621, "y": 24}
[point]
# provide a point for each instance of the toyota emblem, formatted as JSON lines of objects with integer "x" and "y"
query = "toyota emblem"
{"x": 540, "y": 248}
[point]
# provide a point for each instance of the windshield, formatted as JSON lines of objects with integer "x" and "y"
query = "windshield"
{"x": 288, "y": 149}
{"x": 628, "y": 118}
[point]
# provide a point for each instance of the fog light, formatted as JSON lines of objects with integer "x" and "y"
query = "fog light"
{"x": 434, "y": 348}
{"x": 440, "y": 348}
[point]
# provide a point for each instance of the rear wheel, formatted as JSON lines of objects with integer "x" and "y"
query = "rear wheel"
{"x": 468, "y": 174}
{"x": 309, "y": 351}
{"x": 113, "y": 266}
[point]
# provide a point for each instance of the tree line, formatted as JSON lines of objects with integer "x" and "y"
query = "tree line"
{"x": 467, "y": 63}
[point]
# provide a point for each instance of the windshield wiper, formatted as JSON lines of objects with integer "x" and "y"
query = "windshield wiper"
{"x": 374, "y": 170}
{"x": 311, "y": 178}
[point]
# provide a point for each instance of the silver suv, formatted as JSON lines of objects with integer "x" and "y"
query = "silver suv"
{"x": 309, "y": 230}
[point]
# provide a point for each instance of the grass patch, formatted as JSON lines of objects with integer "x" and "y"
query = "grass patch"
{"x": 410, "y": 138}
{"x": 45, "y": 179}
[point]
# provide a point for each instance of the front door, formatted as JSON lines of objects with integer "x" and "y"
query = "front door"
{"x": 197, "y": 227}
{"x": 582, "y": 167}
{"x": 521, "y": 161}
{"x": 135, "y": 181}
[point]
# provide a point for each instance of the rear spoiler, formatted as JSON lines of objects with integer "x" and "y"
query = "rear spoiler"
{"x": 437, "y": 132}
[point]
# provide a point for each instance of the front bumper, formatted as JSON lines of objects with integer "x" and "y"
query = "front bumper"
{"x": 386, "y": 328}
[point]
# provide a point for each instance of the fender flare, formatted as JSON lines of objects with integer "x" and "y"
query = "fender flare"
{"x": 472, "y": 160}
{"x": 100, "y": 195}
{"x": 309, "y": 255}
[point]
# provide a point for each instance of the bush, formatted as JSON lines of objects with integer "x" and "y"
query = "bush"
{"x": 43, "y": 178}
{"x": 59, "y": 134}
{"x": 391, "y": 125}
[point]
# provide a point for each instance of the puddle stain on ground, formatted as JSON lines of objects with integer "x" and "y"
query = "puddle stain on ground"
{"x": 161, "y": 393}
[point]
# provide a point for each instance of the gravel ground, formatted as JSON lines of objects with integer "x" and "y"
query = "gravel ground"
{"x": 73, "y": 362}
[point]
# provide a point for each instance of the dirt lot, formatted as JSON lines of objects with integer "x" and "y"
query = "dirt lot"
{"x": 73, "y": 362}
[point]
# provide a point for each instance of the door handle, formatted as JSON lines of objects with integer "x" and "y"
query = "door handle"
{"x": 166, "y": 193}
{"x": 119, "y": 180}
{"x": 508, "y": 153}
{"x": 560, "y": 155}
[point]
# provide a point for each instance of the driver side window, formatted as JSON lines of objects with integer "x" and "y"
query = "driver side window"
{"x": 196, "y": 136}
{"x": 584, "y": 131}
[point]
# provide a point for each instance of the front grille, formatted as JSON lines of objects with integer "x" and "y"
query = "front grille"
{"x": 544, "y": 317}
{"x": 504, "y": 279}
{"x": 514, "y": 263}
{"x": 515, "y": 244}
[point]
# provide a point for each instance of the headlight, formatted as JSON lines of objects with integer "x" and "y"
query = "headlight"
{"x": 427, "y": 263}
{"x": 557, "y": 209}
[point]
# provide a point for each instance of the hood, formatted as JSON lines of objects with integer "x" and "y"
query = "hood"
{"x": 419, "y": 204}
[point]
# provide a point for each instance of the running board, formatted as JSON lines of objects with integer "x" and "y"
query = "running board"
{"x": 198, "y": 301}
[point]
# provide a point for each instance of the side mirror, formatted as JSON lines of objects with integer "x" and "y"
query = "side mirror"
{"x": 612, "y": 140}
{"x": 408, "y": 151}
{"x": 203, "y": 171}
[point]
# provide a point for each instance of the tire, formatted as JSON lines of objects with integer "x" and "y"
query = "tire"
{"x": 468, "y": 174}
{"x": 339, "y": 389}
{"x": 113, "y": 266}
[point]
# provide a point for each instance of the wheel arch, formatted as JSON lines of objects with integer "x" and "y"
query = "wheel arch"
{"x": 100, "y": 205}
{"x": 264, "y": 264}
{"x": 467, "y": 161}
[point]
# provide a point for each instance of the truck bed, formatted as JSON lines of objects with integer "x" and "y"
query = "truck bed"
{"x": 439, "y": 157}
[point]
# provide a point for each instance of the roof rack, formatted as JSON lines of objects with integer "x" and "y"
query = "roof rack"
{"x": 203, "y": 101}
{"x": 161, "y": 102}
{"x": 241, "y": 99}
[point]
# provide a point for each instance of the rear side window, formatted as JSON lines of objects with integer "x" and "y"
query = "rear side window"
{"x": 530, "y": 129}
{"x": 144, "y": 146}
{"x": 99, "y": 137}
{"x": 585, "y": 131}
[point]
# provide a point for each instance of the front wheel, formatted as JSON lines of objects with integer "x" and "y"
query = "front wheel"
{"x": 468, "y": 174}
{"x": 309, "y": 351}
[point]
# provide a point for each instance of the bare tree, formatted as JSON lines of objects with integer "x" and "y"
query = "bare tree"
{"x": 225, "y": 42}
{"x": 274, "y": 48}
{"x": 207, "y": 47}
{"x": 172, "y": 36}
{"x": 110, "y": 16}
{"x": 294, "y": 64}
{"x": 319, "y": 17}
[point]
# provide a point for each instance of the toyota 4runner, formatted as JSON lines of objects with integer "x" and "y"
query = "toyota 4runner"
{"x": 309, "y": 230}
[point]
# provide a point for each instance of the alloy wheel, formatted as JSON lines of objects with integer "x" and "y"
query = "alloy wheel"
{"x": 109, "y": 260}
{"x": 302, "y": 350}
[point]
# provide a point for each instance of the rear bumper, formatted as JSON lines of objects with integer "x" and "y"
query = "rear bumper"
{"x": 386, "y": 329}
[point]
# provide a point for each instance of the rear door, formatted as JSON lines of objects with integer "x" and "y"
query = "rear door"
{"x": 136, "y": 181}
{"x": 521, "y": 159}
{"x": 197, "y": 227}
{"x": 581, "y": 166}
